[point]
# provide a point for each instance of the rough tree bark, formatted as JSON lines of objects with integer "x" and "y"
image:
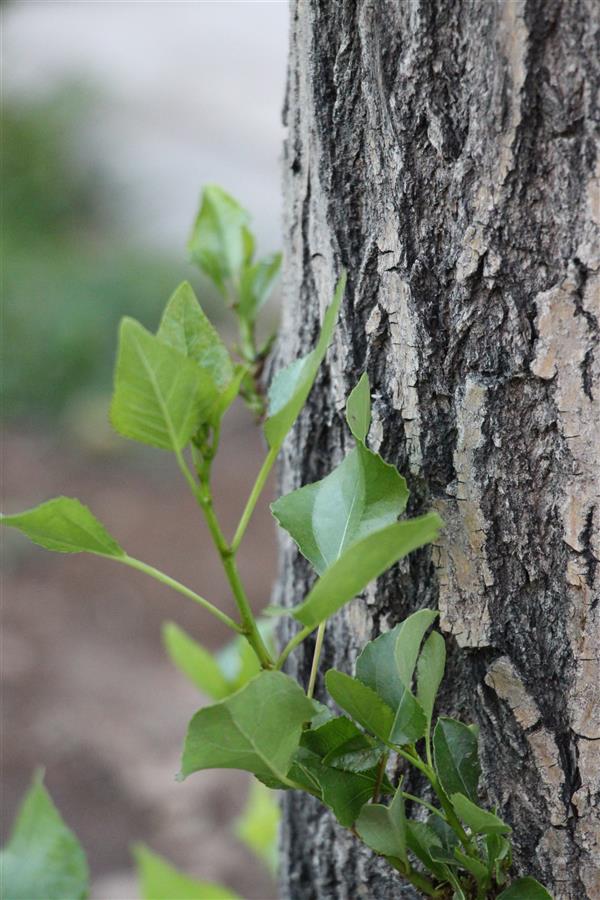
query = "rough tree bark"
{"x": 445, "y": 152}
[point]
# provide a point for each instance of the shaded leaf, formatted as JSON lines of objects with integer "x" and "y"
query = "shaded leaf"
{"x": 358, "y": 408}
{"x": 410, "y": 721}
{"x": 408, "y": 643}
{"x": 420, "y": 840}
{"x": 344, "y": 792}
{"x": 525, "y": 889}
{"x": 220, "y": 243}
{"x": 455, "y": 756}
{"x": 364, "y": 561}
{"x": 362, "y": 495}
{"x": 256, "y": 729}
{"x": 161, "y": 396}
{"x": 430, "y": 671}
{"x": 291, "y": 386}
{"x": 185, "y": 327}
{"x": 479, "y": 820}
{"x": 256, "y": 285}
{"x": 160, "y": 881}
{"x": 195, "y": 662}
{"x": 474, "y": 866}
{"x": 361, "y": 703}
{"x": 66, "y": 526}
{"x": 383, "y": 828}
{"x": 42, "y": 858}
{"x": 376, "y": 667}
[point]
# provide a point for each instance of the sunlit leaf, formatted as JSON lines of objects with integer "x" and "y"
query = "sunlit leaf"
{"x": 161, "y": 396}
{"x": 66, "y": 526}
{"x": 258, "y": 825}
{"x": 256, "y": 284}
{"x": 220, "y": 242}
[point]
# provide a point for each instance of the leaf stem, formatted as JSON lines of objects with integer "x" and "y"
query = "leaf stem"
{"x": 255, "y": 493}
{"x": 315, "y": 660}
{"x": 180, "y": 588}
{"x": 293, "y": 643}
{"x": 379, "y": 778}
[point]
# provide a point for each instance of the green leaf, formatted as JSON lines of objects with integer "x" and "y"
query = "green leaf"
{"x": 66, "y": 526}
{"x": 195, "y": 662}
{"x": 408, "y": 642}
{"x": 341, "y": 745}
{"x": 455, "y": 756}
{"x": 258, "y": 825}
{"x": 430, "y": 671}
{"x": 361, "y": 703}
{"x": 410, "y": 721}
{"x": 361, "y": 496}
{"x": 344, "y": 792}
{"x": 185, "y": 327}
{"x": 256, "y": 285}
{"x": 161, "y": 396}
{"x": 383, "y": 828}
{"x": 291, "y": 386}
{"x": 499, "y": 856}
{"x": 43, "y": 858}
{"x": 421, "y": 840}
{"x": 358, "y": 409}
{"x": 238, "y": 661}
{"x": 364, "y": 561}
{"x": 220, "y": 242}
{"x": 475, "y": 867}
{"x": 376, "y": 667}
{"x": 256, "y": 729}
{"x": 479, "y": 820}
{"x": 160, "y": 881}
{"x": 525, "y": 889}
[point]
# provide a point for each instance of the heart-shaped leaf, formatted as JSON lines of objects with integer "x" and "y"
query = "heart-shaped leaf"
{"x": 257, "y": 729}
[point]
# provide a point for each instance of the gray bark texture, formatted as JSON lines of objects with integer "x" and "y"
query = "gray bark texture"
{"x": 446, "y": 153}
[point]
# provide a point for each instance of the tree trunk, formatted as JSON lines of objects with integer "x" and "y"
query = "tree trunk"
{"x": 444, "y": 152}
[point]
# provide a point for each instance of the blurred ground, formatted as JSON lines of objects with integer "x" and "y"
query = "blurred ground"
{"x": 88, "y": 691}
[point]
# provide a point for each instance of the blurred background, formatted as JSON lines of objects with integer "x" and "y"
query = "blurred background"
{"x": 114, "y": 114}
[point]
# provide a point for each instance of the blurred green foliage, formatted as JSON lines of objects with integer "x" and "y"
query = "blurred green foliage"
{"x": 69, "y": 272}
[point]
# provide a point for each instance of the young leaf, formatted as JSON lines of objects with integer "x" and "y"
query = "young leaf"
{"x": 161, "y": 396}
{"x": 291, "y": 386}
{"x": 42, "y": 858}
{"x": 361, "y": 703}
{"x": 185, "y": 328}
{"x": 160, "y": 881}
{"x": 358, "y": 409}
{"x": 363, "y": 562}
{"x": 256, "y": 284}
{"x": 257, "y": 729}
{"x": 66, "y": 526}
{"x": 258, "y": 825}
{"x": 479, "y": 820}
{"x": 409, "y": 640}
{"x": 430, "y": 671}
{"x": 220, "y": 243}
{"x": 525, "y": 889}
{"x": 361, "y": 496}
{"x": 383, "y": 828}
{"x": 195, "y": 662}
{"x": 455, "y": 756}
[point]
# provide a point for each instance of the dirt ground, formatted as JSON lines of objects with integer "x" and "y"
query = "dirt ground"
{"x": 87, "y": 689}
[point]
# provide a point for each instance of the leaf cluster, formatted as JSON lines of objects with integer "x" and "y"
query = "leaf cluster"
{"x": 171, "y": 391}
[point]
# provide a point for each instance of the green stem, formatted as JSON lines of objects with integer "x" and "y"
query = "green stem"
{"x": 259, "y": 484}
{"x": 379, "y": 778}
{"x": 424, "y": 803}
{"x": 315, "y": 661}
{"x": 293, "y": 643}
{"x": 180, "y": 588}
